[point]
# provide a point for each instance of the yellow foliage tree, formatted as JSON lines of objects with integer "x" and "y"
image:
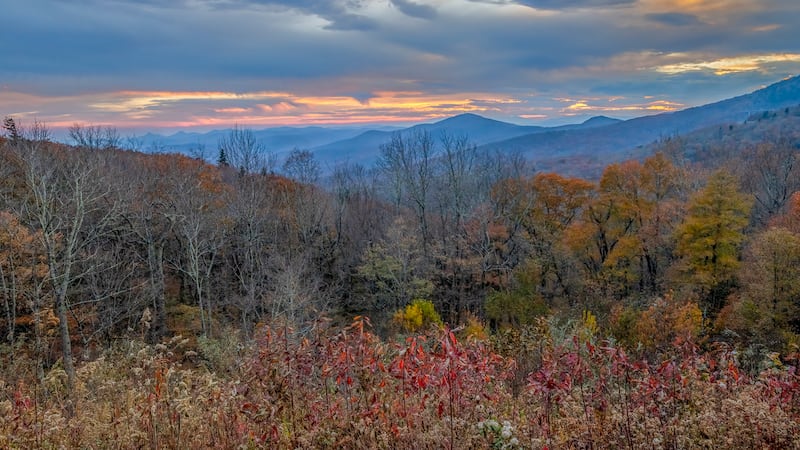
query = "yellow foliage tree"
{"x": 710, "y": 237}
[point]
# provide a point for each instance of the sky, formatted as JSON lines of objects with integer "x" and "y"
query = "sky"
{"x": 151, "y": 65}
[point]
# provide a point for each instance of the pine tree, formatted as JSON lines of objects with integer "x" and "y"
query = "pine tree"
{"x": 222, "y": 159}
{"x": 11, "y": 128}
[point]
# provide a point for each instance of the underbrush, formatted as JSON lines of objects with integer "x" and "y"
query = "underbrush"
{"x": 346, "y": 388}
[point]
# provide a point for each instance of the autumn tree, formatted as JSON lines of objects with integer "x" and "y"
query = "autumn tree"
{"x": 624, "y": 235}
{"x": 765, "y": 310}
{"x": 606, "y": 222}
{"x": 555, "y": 203}
{"x": 769, "y": 274}
{"x": 790, "y": 218}
{"x": 710, "y": 238}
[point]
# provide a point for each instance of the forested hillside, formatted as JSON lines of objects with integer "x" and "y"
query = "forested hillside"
{"x": 448, "y": 298}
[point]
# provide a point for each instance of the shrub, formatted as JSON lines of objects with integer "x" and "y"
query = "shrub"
{"x": 417, "y": 315}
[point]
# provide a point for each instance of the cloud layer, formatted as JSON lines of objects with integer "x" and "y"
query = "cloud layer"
{"x": 211, "y": 63}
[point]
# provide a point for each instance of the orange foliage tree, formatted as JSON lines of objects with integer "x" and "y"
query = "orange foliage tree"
{"x": 539, "y": 210}
{"x": 624, "y": 235}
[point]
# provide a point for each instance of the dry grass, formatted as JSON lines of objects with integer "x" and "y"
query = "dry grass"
{"x": 349, "y": 389}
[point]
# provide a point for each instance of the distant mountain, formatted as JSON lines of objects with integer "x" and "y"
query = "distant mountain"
{"x": 586, "y": 150}
{"x": 711, "y": 146}
{"x": 279, "y": 139}
{"x": 582, "y": 149}
{"x": 479, "y": 130}
{"x": 365, "y": 147}
{"x": 599, "y": 121}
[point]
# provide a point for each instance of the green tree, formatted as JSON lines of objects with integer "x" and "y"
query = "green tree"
{"x": 710, "y": 237}
{"x": 393, "y": 271}
{"x": 521, "y": 303}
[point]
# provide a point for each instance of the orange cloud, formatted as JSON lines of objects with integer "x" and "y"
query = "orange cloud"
{"x": 655, "y": 106}
{"x": 724, "y": 66}
{"x": 765, "y": 28}
{"x": 138, "y": 109}
{"x": 233, "y": 110}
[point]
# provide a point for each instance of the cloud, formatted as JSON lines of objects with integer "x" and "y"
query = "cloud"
{"x": 415, "y": 9}
{"x": 198, "y": 108}
{"x": 725, "y": 66}
{"x": 573, "y": 4}
{"x": 611, "y": 105}
{"x": 341, "y": 14}
{"x": 75, "y": 60}
{"x": 674, "y": 19}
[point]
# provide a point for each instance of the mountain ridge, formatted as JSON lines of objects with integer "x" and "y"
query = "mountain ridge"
{"x": 556, "y": 150}
{"x": 567, "y": 149}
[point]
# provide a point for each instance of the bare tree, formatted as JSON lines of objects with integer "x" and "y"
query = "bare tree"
{"x": 95, "y": 137}
{"x": 296, "y": 291}
{"x": 308, "y": 206}
{"x": 459, "y": 183}
{"x": 244, "y": 152}
{"x": 301, "y": 166}
{"x": 408, "y": 161}
{"x": 251, "y": 241}
{"x": 196, "y": 212}
{"x": 147, "y": 202}
{"x": 71, "y": 205}
{"x": 770, "y": 173}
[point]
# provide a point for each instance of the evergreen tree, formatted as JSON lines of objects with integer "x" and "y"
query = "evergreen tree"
{"x": 222, "y": 159}
{"x": 11, "y": 128}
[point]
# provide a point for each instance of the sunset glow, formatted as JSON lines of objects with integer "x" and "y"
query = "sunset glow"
{"x": 726, "y": 66}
